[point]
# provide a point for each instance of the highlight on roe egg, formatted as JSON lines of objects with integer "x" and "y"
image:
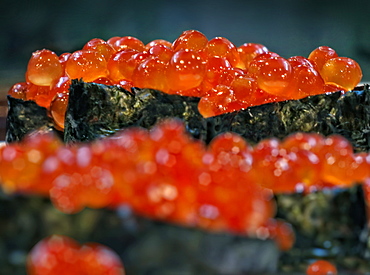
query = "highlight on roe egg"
{"x": 156, "y": 42}
{"x": 40, "y": 94}
{"x": 321, "y": 267}
{"x": 118, "y": 66}
{"x": 161, "y": 51}
{"x": 54, "y": 255}
{"x": 248, "y": 51}
{"x": 124, "y": 63}
{"x": 219, "y": 100}
{"x": 274, "y": 75}
{"x": 100, "y": 46}
{"x": 111, "y": 41}
{"x": 58, "y": 109}
{"x": 254, "y": 65}
{"x": 222, "y": 47}
{"x": 125, "y": 84}
{"x": 306, "y": 81}
{"x": 321, "y": 55}
{"x": 342, "y": 71}
{"x": 186, "y": 70}
{"x": 103, "y": 80}
{"x": 338, "y": 159}
{"x": 151, "y": 74}
{"x": 308, "y": 166}
{"x": 63, "y": 58}
{"x": 62, "y": 86}
{"x": 86, "y": 64}
{"x": 21, "y": 164}
{"x": 133, "y": 62}
{"x": 85, "y": 182}
{"x": 191, "y": 40}
{"x": 276, "y": 164}
{"x": 230, "y": 74}
{"x": 96, "y": 258}
{"x": 216, "y": 72}
{"x": 126, "y": 42}
{"x": 244, "y": 88}
{"x": 300, "y": 60}
{"x": 44, "y": 68}
{"x": 58, "y": 254}
{"x": 19, "y": 90}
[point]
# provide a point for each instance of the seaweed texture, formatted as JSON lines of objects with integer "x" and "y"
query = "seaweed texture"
{"x": 328, "y": 224}
{"x": 97, "y": 110}
{"x": 25, "y": 117}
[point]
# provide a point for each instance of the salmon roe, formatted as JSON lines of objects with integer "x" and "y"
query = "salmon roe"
{"x": 192, "y": 65}
{"x": 165, "y": 174}
{"x": 321, "y": 267}
{"x": 58, "y": 254}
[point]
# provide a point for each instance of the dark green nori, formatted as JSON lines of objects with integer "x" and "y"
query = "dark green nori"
{"x": 326, "y": 114}
{"x": 25, "y": 117}
{"x": 328, "y": 224}
{"x": 96, "y": 110}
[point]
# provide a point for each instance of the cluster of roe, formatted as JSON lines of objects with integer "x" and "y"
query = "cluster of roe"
{"x": 226, "y": 77}
{"x": 165, "y": 174}
{"x": 58, "y": 254}
{"x": 321, "y": 267}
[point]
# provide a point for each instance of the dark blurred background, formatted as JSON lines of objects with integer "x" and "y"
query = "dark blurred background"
{"x": 288, "y": 27}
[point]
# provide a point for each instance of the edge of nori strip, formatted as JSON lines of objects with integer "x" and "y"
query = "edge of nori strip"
{"x": 96, "y": 110}
{"x": 25, "y": 117}
{"x": 347, "y": 115}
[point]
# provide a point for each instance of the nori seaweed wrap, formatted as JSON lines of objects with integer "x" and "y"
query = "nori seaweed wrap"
{"x": 24, "y": 117}
{"x": 329, "y": 224}
{"x": 97, "y": 110}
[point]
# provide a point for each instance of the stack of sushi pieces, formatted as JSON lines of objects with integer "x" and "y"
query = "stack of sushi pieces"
{"x": 328, "y": 224}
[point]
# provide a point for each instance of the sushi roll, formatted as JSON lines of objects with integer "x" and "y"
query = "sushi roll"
{"x": 245, "y": 134}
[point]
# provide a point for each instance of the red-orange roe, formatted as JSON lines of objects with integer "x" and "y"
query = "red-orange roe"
{"x": 321, "y": 55}
{"x": 192, "y": 65}
{"x": 58, "y": 254}
{"x": 127, "y": 42}
{"x": 19, "y": 90}
{"x": 342, "y": 71}
{"x": 191, "y": 40}
{"x": 321, "y": 267}
{"x": 248, "y": 51}
{"x": 151, "y": 74}
{"x": 86, "y": 64}
{"x": 222, "y": 47}
{"x": 44, "y": 68}
{"x": 58, "y": 109}
{"x": 274, "y": 75}
{"x": 186, "y": 70}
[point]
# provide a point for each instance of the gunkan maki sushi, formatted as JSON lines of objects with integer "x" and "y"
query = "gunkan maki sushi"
{"x": 206, "y": 135}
